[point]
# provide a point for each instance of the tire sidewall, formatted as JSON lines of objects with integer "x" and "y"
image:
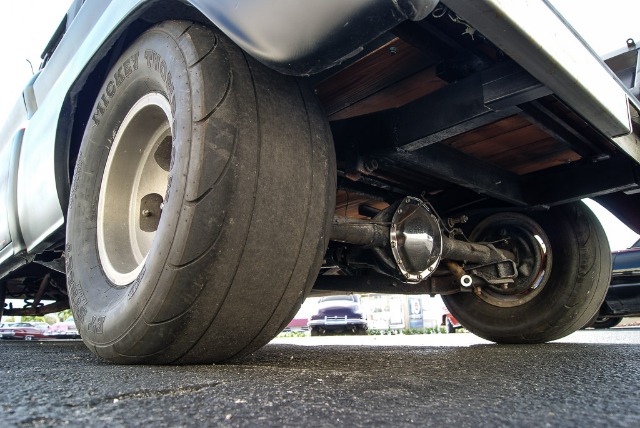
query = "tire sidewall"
{"x": 103, "y": 310}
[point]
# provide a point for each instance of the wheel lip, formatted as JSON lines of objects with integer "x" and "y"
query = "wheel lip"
{"x": 153, "y": 99}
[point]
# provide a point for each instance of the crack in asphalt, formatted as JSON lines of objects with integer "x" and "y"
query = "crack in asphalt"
{"x": 150, "y": 394}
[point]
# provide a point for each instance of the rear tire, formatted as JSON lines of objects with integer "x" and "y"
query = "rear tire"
{"x": 202, "y": 194}
{"x": 564, "y": 288}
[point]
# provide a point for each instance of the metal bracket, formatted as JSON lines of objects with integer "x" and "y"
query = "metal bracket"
{"x": 503, "y": 276}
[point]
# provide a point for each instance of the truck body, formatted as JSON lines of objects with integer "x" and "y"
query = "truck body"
{"x": 470, "y": 106}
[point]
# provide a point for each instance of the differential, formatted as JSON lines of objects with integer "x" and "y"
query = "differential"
{"x": 416, "y": 240}
{"x": 406, "y": 241}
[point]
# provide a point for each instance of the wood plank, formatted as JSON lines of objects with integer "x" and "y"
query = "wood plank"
{"x": 536, "y": 156}
{"x": 391, "y": 63}
{"x": 506, "y": 141}
{"x": 410, "y": 89}
{"x": 515, "y": 145}
{"x": 487, "y": 132}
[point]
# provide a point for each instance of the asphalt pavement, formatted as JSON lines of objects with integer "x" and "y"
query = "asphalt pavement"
{"x": 589, "y": 379}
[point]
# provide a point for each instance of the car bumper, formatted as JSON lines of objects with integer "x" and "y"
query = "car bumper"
{"x": 338, "y": 323}
{"x": 63, "y": 335}
{"x": 622, "y": 299}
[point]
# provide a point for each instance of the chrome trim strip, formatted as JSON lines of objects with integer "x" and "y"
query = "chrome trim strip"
{"x": 12, "y": 195}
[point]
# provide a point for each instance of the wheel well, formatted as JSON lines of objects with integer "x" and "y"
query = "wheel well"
{"x": 78, "y": 104}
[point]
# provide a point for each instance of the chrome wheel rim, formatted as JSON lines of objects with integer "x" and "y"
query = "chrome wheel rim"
{"x": 134, "y": 188}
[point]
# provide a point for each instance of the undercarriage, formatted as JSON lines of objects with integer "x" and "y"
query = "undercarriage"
{"x": 457, "y": 172}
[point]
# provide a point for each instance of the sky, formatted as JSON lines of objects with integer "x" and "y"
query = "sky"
{"x": 24, "y": 39}
{"x": 27, "y": 25}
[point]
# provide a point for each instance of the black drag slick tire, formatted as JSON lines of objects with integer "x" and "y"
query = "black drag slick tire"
{"x": 574, "y": 282}
{"x": 606, "y": 322}
{"x": 202, "y": 194}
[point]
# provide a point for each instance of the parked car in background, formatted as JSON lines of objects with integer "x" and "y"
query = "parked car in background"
{"x": 338, "y": 314}
{"x": 296, "y": 325}
{"x": 63, "y": 330}
{"x": 23, "y": 331}
{"x": 449, "y": 321}
{"x": 623, "y": 297}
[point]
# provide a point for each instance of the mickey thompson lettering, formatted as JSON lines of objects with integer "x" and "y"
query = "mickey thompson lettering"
{"x": 154, "y": 60}
{"x": 128, "y": 66}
